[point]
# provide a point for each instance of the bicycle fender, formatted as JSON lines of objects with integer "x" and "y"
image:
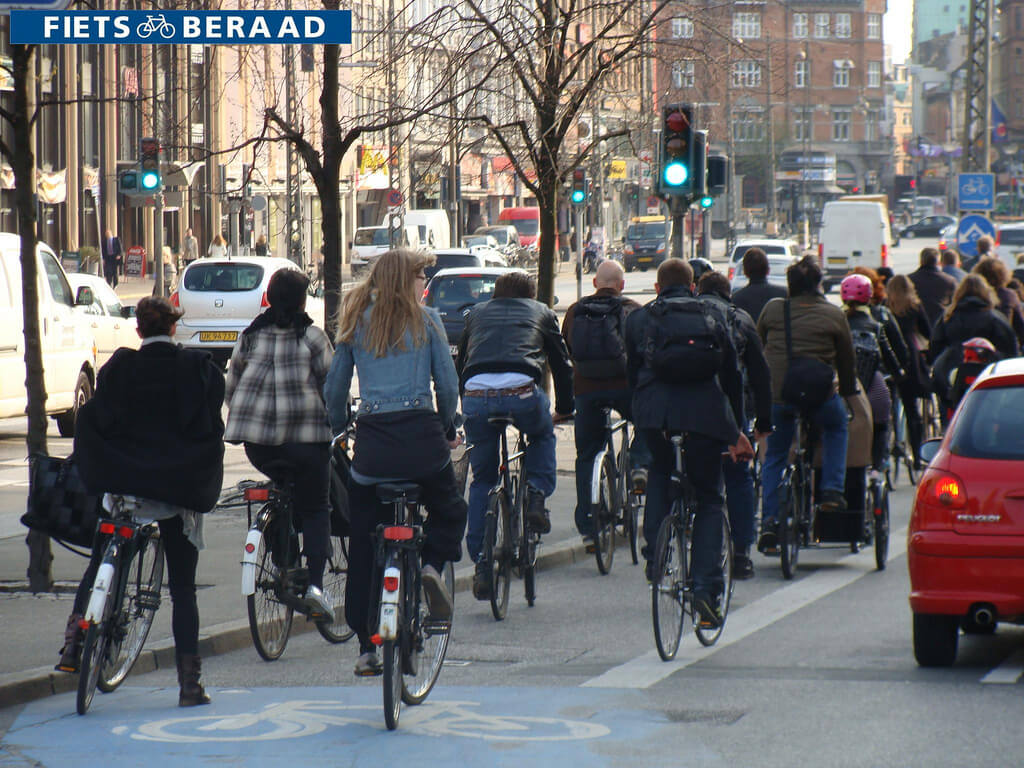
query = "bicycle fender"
{"x": 100, "y": 590}
{"x": 388, "y": 629}
{"x": 252, "y": 546}
{"x": 595, "y": 477}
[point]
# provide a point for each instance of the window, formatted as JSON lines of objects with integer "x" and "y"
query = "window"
{"x": 746, "y": 74}
{"x": 874, "y": 74}
{"x": 841, "y": 73}
{"x": 803, "y": 125}
{"x": 803, "y": 74}
{"x": 871, "y": 118}
{"x": 746, "y": 25}
{"x": 874, "y": 25}
{"x": 841, "y": 124}
{"x": 748, "y": 126}
{"x": 682, "y": 74}
{"x": 59, "y": 288}
{"x": 989, "y": 426}
{"x": 844, "y": 27}
{"x": 821, "y": 25}
{"x": 682, "y": 27}
{"x": 800, "y": 28}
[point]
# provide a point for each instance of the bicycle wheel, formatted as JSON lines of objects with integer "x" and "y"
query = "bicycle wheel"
{"x": 270, "y": 620}
{"x": 707, "y": 635}
{"x": 667, "y": 590}
{"x": 335, "y": 579}
{"x": 94, "y": 654}
{"x": 789, "y": 520}
{"x": 629, "y": 502}
{"x": 880, "y": 507}
{"x": 604, "y": 512}
{"x": 931, "y": 416}
{"x": 431, "y": 645}
{"x": 129, "y": 627}
{"x": 497, "y": 552}
{"x": 392, "y": 682}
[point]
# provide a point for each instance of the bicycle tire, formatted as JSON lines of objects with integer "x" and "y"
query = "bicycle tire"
{"x": 496, "y": 553}
{"x": 94, "y": 651}
{"x": 668, "y": 610}
{"x": 709, "y": 636}
{"x": 392, "y": 650}
{"x": 270, "y": 620}
{"x": 630, "y": 501}
{"x": 788, "y": 528}
{"x": 335, "y": 580}
{"x": 881, "y": 523}
{"x": 431, "y": 647}
{"x": 130, "y": 625}
{"x": 604, "y": 514}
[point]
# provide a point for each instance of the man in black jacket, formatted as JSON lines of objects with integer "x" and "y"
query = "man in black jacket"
{"x": 934, "y": 287}
{"x": 500, "y": 364}
{"x": 752, "y": 297}
{"x": 706, "y": 406}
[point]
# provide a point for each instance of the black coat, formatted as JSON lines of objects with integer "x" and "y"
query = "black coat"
{"x": 1009, "y": 305}
{"x": 154, "y": 427}
{"x": 752, "y": 297}
{"x": 935, "y": 289}
{"x": 972, "y": 317}
{"x": 914, "y": 323}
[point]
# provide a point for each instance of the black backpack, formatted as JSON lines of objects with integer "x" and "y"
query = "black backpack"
{"x": 598, "y": 343}
{"x": 868, "y": 354}
{"x": 681, "y": 344}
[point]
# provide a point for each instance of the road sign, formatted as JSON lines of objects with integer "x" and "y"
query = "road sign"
{"x": 970, "y": 229}
{"x": 394, "y": 198}
{"x": 30, "y": 5}
{"x": 976, "y": 191}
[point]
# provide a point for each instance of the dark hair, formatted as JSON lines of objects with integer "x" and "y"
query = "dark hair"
{"x": 673, "y": 272}
{"x": 515, "y": 285}
{"x": 804, "y": 276}
{"x": 929, "y": 257}
{"x": 755, "y": 264}
{"x": 984, "y": 245}
{"x": 286, "y": 293}
{"x": 155, "y": 315}
{"x": 950, "y": 257}
{"x": 715, "y": 283}
{"x": 886, "y": 274}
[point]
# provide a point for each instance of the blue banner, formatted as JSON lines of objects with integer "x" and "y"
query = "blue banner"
{"x": 181, "y": 27}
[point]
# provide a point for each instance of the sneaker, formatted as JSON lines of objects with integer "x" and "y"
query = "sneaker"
{"x": 768, "y": 543}
{"x": 832, "y": 501}
{"x": 368, "y": 665}
{"x": 638, "y": 477}
{"x": 708, "y": 610}
{"x": 320, "y": 605}
{"x": 435, "y": 592}
{"x": 589, "y": 545}
{"x": 536, "y": 516}
{"x": 742, "y": 567}
{"x": 649, "y": 571}
{"x": 482, "y": 581}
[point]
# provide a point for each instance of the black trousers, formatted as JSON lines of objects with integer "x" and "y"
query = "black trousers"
{"x": 310, "y": 472}
{"x": 445, "y": 525}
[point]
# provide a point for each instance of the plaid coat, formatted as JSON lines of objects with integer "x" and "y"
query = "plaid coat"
{"x": 274, "y": 387}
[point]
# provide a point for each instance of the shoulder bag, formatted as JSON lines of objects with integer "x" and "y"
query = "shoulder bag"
{"x": 808, "y": 381}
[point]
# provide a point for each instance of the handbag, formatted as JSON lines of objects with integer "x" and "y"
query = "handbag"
{"x": 59, "y": 504}
{"x": 808, "y": 381}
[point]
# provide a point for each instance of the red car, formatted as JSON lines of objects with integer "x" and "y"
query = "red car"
{"x": 965, "y": 546}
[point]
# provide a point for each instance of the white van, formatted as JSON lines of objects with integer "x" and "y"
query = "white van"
{"x": 433, "y": 227}
{"x": 853, "y": 234}
{"x": 69, "y": 351}
{"x": 370, "y": 242}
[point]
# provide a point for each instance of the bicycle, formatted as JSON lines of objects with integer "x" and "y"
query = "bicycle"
{"x": 273, "y": 580}
{"x": 613, "y": 501}
{"x": 125, "y": 596}
{"x": 413, "y": 645}
{"x": 795, "y": 501}
{"x": 672, "y": 593}
{"x": 509, "y": 544}
{"x": 901, "y": 450}
{"x": 155, "y": 23}
{"x": 932, "y": 417}
{"x": 879, "y": 487}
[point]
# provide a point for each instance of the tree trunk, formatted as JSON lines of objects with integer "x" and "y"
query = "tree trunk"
{"x": 330, "y": 198}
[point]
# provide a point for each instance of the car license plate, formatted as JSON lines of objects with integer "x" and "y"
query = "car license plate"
{"x": 836, "y": 259}
{"x": 454, "y": 349}
{"x": 645, "y": 258}
{"x": 218, "y": 335}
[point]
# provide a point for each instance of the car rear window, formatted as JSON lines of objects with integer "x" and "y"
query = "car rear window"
{"x": 774, "y": 250}
{"x": 456, "y": 292}
{"x": 991, "y": 425}
{"x": 1011, "y": 236}
{"x": 223, "y": 276}
{"x": 376, "y": 236}
{"x": 452, "y": 261}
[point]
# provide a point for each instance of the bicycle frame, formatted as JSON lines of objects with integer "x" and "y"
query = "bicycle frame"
{"x": 394, "y": 543}
{"x": 505, "y": 484}
{"x": 124, "y": 537}
{"x": 609, "y": 447}
{"x": 291, "y": 579}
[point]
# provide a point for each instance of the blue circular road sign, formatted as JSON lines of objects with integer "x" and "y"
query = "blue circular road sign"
{"x": 969, "y": 230}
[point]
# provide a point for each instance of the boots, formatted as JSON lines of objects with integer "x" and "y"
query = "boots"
{"x": 71, "y": 653}
{"x": 191, "y": 693}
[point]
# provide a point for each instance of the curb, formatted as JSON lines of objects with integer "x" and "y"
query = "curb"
{"x": 38, "y": 683}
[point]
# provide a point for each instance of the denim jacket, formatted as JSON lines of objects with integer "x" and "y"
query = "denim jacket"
{"x": 400, "y": 380}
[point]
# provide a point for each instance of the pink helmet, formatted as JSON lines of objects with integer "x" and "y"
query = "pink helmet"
{"x": 856, "y": 288}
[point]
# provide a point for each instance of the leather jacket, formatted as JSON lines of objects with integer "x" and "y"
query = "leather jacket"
{"x": 509, "y": 335}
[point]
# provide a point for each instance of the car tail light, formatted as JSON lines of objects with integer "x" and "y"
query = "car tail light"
{"x": 939, "y": 495}
{"x": 732, "y": 272}
{"x": 998, "y": 235}
{"x": 175, "y": 302}
{"x": 821, "y": 254}
{"x": 263, "y": 302}
{"x": 949, "y": 492}
{"x": 885, "y": 255}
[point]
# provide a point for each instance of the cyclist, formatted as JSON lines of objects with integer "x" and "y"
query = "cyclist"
{"x": 740, "y": 498}
{"x": 685, "y": 378}
{"x": 594, "y": 331}
{"x": 951, "y": 264}
{"x": 399, "y": 348}
{"x": 276, "y": 409}
{"x": 997, "y": 274}
{"x": 934, "y": 287}
{"x": 154, "y": 430}
{"x": 819, "y": 331}
{"x": 501, "y": 363}
{"x": 752, "y": 297}
{"x": 906, "y": 308}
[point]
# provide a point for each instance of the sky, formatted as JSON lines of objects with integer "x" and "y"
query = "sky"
{"x": 898, "y": 29}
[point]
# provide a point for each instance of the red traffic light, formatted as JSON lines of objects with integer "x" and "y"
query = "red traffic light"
{"x": 677, "y": 122}
{"x": 913, "y": 183}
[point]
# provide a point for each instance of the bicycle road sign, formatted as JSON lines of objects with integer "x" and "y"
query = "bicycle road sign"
{"x": 6, "y": 6}
{"x": 976, "y": 191}
{"x": 969, "y": 230}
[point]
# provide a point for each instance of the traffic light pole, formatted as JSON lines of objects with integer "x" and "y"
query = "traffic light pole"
{"x": 578, "y": 221}
{"x": 677, "y": 207}
{"x": 158, "y": 199}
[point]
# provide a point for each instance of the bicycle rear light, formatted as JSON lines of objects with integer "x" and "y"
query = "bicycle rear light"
{"x": 107, "y": 528}
{"x": 391, "y": 583}
{"x": 256, "y": 494}
{"x": 398, "y": 533}
{"x": 126, "y": 531}
{"x": 250, "y": 548}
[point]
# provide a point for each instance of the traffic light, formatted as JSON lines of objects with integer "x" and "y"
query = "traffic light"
{"x": 707, "y": 201}
{"x": 149, "y": 165}
{"x": 718, "y": 174}
{"x": 913, "y": 183}
{"x": 677, "y": 151}
{"x": 578, "y": 195}
{"x": 128, "y": 182}
{"x": 699, "y": 164}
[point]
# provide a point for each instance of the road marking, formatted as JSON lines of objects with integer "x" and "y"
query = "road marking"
{"x": 644, "y": 671}
{"x": 1009, "y": 672}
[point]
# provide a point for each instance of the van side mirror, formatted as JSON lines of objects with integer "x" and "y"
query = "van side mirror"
{"x": 84, "y": 297}
{"x": 128, "y": 311}
{"x": 554, "y": 301}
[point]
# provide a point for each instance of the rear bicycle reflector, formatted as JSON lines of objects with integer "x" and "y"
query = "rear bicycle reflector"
{"x": 256, "y": 494}
{"x": 398, "y": 533}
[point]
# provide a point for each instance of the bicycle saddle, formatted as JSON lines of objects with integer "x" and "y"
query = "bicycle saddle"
{"x": 500, "y": 421}
{"x": 392, "y": 492}
{"x": 280, "y": 471}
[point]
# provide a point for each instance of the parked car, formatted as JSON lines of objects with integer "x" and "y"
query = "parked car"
{"x": 1010, "y": 245}
{"x": 966, "y": 538}
{"x": 505, "y": 234}
{"x": 780, "y": 253}
{"x": 947, "y": 237}
{"x": 113, "y": 323}
{"x": 487, "y": 246}
{"x": 454, "y": 292}
{"x": 222, "y": 296}
{"x": 370, "y": 242}
{"x": 929, "y": 226}
{"x": 450, "y": 258}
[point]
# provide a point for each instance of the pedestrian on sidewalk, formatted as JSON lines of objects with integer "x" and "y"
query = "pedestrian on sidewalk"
{"x": 218, "y": 247}
{"x": 113, "y": 257}
{"x": 190, "y": 247}
{"x": 261, "y": 245}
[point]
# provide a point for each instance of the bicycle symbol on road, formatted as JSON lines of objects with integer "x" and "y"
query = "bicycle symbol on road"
{"x": 297, "y": 719}
{"x": 155, "y": 22}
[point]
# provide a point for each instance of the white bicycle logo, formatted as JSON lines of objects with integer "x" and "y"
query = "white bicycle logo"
{"x": 296, "y": 719}
{"x": 976, "y": 187}
{"x": 155, "y": 23}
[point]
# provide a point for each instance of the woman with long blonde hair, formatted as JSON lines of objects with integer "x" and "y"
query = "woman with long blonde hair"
{"x": 399, "y": 348}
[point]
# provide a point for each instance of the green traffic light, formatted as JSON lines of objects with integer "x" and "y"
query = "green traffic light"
{"x": 676, "y": 174}
{"x": 578, "y": 196}
{"x": 707, "y": 201}
{"x": 150, "y": 180}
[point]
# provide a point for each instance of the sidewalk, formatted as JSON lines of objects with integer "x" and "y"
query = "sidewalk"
{"x": 34, "y": 624}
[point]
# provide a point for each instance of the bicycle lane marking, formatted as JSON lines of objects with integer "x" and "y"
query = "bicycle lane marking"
{"x": 648, "y": 669}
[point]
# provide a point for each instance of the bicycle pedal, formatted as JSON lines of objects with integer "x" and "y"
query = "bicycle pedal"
{"x": 147, "y": 599}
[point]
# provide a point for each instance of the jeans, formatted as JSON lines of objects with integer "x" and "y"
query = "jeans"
{"x": 531, "y": 414}
{"x": 590, "y": 439}
{"x": 703, "y": 459}
{"x": 831, "y": 417}
{"x": 740, "y": 501}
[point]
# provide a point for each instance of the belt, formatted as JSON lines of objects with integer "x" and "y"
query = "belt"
{"x": 524, "y": 389}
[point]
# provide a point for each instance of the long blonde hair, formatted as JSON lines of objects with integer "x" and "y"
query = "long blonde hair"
{"x": 391, "y": 291}
{"x": 903, "y": 296}
{"x": 972, "y": 285}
